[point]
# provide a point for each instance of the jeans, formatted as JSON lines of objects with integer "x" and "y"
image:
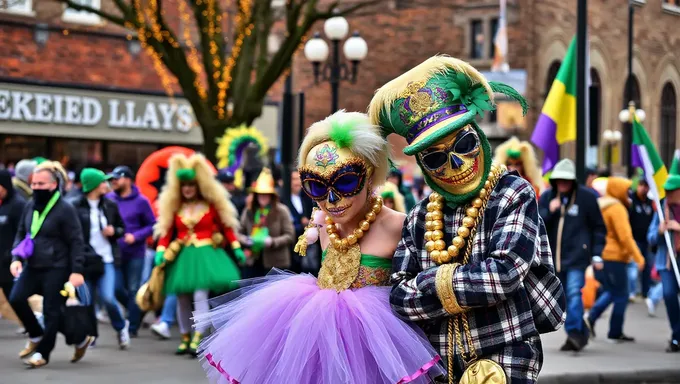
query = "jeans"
{"x": 148, "y": 264}
{"x": 169, "y": 313}
{"x": 20, "y": 309}
{"x": 632, "y": 278}
{"x": 655, "y": 293}
{"x": 48, "y": 283}
{"x": 614, "y": 280}
{"x": 105, "y": 287}
{"x": 573, "y": 281}
{"x": 646, "y": 277}
{"x": 670, "y": 297}
{"x": 128, "y": 281}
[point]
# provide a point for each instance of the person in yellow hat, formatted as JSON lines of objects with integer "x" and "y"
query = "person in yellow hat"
{"x": 196, "y": 221}
{"x": 266, "y": 228}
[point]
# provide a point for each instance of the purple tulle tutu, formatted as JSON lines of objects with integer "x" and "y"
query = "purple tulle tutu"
{"x": 284, "y": 329}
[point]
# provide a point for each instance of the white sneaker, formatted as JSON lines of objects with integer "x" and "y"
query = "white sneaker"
{"x": 161, "y": 330}
{"x": 651, "y": 308}
{"x": 124, "y": 336}
{"x": 149, "y": 319}
{"x": 103, "y": 318}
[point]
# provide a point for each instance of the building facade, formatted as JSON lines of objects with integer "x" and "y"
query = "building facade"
{"x": 78, "y": 89}
{"x": 539, "y": 32}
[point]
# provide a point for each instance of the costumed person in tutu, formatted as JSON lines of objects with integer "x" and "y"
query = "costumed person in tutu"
{"x": 195, "y": 221}
{"x": 474, "y": 266}
{"x": 519, "y": 156}
{"x": 339, "y": 328}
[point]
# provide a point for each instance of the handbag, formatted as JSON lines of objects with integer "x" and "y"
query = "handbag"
{"x": 76, "y": 322}
{"x": 150, "y": 295}
{"x": 93, "y": 265}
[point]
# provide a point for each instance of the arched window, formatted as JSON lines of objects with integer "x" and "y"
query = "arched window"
{"x": 552, "y": 74}
{"x": 595, "y": 106}
{"x": 625, "y": 128}
{"x": 669, "y": 116}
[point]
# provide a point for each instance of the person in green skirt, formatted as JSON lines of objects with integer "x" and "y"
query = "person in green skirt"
{"x": 196, "y": 221}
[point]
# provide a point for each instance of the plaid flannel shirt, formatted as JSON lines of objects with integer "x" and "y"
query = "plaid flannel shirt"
{"x": 509, "y": 284}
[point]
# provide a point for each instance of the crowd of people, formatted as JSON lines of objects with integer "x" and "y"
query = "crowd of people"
{"x": 484, "y": 255}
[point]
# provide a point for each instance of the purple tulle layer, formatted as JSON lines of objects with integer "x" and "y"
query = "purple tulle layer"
{"x": 284, "y": 329}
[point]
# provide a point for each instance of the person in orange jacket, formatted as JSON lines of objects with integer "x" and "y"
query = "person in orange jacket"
{"x": 619, "y": 250}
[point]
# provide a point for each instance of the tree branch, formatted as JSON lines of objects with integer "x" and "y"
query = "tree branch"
{"x": 104, "y": 15}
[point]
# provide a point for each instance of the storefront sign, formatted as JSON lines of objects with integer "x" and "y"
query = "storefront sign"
{"x": 64, "y": 109}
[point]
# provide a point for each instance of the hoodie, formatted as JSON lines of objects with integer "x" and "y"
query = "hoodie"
{"x": 620, "y": 246}
{"x": 139, "y": 221}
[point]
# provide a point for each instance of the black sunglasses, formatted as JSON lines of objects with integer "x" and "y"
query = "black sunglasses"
{"x": 465, "y": 143}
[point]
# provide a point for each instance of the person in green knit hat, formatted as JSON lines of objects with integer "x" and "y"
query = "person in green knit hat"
{"x": 663, "y": 263}
{"x": 196, "y": 221}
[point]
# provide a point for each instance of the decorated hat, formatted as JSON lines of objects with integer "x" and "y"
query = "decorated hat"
{"x": 265, "y": 184}
{"x": 433, "y": 100}
{"x": 232, "y": 147}
{"x": 673, "y": 181}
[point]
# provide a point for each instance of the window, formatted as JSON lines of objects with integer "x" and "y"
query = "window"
{"x": 494, "y": 28}
{"x": 15, "y": 148}
{"x": 476, "y": 39}
{"x": 82, "y": 17}
{"x": 636, "y": 97}
{"x": 77, "y": 153}
{"x": 595, "y": 105}
{"x": 669, "y": 122}
{"x": 130, "y": 154}
{"x": 671, "y": 6}
{"x": 24, "y": 7}
{"x": 552, "y": 74}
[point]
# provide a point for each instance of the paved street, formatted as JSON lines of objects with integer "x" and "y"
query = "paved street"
{"x": 151, "y": 361}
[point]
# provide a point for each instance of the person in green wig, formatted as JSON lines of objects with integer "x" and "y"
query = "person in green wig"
{"x": 195, "y": 222}
{"x": 663, "y": 263}
{"x": 474, "y": 266}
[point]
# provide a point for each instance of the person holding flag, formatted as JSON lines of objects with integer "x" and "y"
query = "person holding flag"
{"x": 665, "y": 260}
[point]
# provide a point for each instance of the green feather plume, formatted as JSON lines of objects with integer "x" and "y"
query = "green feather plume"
{"x": 511, "y": 93}
{"x": 186, "y": 174}
{"x": 514, "y": 153}
{"x": 341, "y": 133}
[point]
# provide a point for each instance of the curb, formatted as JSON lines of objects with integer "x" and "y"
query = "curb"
{"x": 659, "y": 376}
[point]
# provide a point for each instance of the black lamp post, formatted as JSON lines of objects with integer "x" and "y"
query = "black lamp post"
{"x": 335, "y": 71}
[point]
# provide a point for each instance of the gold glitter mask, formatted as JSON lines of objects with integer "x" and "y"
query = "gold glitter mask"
{"x": 333, "y": 173}
{"x": 455, "y": 163}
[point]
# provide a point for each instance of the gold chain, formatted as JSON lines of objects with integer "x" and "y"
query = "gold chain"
{"x": 436, "y": 247}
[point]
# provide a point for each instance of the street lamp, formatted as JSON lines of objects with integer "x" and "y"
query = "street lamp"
{"x": 316, "y": 50}
{"x": 612, "y": 139}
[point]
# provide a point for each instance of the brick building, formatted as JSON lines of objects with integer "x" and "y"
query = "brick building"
{"x": 539, "y": 33}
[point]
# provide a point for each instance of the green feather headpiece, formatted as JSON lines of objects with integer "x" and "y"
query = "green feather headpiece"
{"x": 514, "y": 153}
{"x": 186, "y": 174}
{"x": 341, "y": 133}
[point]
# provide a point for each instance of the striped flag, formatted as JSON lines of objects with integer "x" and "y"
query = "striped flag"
{"x": 647, "y": 157}
{"x": 557, "y": 123}
{"x": 500, "y": 42}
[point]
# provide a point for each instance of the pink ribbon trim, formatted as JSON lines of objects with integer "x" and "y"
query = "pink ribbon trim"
{"x": 423, "y": 370}
{"x": 221, "y": 370}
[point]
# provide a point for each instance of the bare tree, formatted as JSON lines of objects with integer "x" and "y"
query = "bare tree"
{"x": 227, "y": 72}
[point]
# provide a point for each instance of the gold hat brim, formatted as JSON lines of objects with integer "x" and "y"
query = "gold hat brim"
{"x": 438, "y": 132}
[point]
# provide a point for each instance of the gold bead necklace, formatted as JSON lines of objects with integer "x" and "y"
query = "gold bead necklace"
{"x": 358, "y": 233}
{"x": 434, "y": 224}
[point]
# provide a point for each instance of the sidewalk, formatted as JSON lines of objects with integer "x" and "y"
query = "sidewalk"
{"x": 603, "y": 362}
{"x": 152, "y": 361}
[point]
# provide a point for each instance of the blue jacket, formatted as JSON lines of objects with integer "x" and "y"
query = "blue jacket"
{"x": 661, "y": 261}
{"x": 583, "y": 232}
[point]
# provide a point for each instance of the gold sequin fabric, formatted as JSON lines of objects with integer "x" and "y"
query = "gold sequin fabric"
{"x": 339, "y": 269}
{"x": 371, "y": 277}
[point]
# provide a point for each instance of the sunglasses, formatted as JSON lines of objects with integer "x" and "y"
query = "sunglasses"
{"x": 346, "y": 181}
{"x": 466, "y": 143}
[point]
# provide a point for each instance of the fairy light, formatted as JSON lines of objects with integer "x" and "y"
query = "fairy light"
{"x": 192, "y": 57}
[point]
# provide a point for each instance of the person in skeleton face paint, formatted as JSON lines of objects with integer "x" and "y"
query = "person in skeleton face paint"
{"x": 339, "y": 328}
{"x": 474, "y": 267}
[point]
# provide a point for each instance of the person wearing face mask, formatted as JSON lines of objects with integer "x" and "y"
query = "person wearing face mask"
{"x": 577, "y": 234}
{"x": 48, "y": 252}
{"x": 473, "y": 266}
{"x": 662, "y": 260}
{"x": 195, "y": 222}
{"x": 339, "y": 328}
{"x": 266, "y": 228}
{"x": 102, "y": 227}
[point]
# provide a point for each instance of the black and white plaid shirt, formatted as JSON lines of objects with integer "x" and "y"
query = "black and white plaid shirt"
{"x": 509, "y": 284}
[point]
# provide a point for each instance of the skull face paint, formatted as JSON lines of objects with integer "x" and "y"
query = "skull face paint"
{"x": 337, "y": 180}
{"x": 455, "y": 163}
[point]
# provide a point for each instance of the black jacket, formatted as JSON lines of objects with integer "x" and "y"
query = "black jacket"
{"x": 11, "y": 209}
{"x": 641, "y": 214}
{"x": 307, "y": 206}
{"x": 583, "y": 233}
{"x": 59, "y": 243}
{"x": 110, "y": 210}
